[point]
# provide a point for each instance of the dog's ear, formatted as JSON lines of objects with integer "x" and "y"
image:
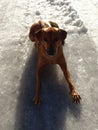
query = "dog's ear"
{"x": 53, "y": 24}
{"x": 63, "y": 34}
{"x": 38, "y": 34}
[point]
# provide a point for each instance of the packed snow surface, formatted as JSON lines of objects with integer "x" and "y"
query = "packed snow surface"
{"x": 88, "y": 11}
{"x": 18, "y": 62}
{"x": 60, "y": 11}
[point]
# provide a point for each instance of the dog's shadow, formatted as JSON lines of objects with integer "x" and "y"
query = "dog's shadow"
{"x": 56, "y": 102}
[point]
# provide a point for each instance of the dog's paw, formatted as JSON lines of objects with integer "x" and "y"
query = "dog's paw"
{"x": 36, "y": 100}
{"x": 75, "y": 97}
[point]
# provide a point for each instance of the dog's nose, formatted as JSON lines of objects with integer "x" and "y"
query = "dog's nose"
{"x": 51, "y": 51}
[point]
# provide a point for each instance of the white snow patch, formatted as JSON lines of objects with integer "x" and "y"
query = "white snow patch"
{"x": 15, "y": 24}
{"x": 88, "y": 11}
{"x": 59, "y": 11}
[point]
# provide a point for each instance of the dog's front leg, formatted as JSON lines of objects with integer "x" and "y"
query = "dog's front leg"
{"x": 37, "y": 98}
{"x": 75, "y": 95}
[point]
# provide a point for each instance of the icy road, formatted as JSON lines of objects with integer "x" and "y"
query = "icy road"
{"x": 18, "y": 60}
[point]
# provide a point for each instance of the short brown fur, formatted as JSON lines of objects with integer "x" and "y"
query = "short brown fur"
{"x": 50, "y": 40}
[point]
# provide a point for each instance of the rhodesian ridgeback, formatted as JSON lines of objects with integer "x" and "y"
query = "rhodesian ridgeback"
{"x": 49, "y": 40}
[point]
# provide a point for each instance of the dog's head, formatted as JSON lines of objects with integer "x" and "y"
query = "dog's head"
{"x": 51, "y": 39}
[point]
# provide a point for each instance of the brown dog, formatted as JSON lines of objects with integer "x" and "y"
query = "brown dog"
{"x": 49, "y": 40}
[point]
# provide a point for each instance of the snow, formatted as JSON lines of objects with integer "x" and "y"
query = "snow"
{"x": 88, "y": 11}
{"x": 18, "y": 59}
{"x": 56, "y": 11}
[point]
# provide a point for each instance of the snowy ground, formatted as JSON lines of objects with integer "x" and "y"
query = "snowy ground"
{"x": 18, "y": 66}
{"x": 88, "y": 11}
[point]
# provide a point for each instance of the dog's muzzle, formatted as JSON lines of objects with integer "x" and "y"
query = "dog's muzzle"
{"x": 51, "y": 51}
